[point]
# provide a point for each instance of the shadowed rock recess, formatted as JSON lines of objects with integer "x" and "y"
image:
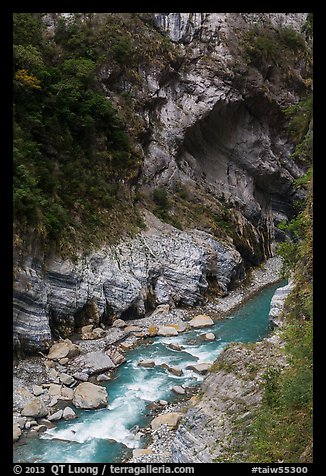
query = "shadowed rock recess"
{"x": 213, "y": 124}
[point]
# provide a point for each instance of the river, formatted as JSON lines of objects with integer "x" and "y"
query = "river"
{"x": 108, "y": 435}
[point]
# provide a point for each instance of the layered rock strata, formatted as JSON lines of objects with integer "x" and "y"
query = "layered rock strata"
{"x": 162, "y": 265}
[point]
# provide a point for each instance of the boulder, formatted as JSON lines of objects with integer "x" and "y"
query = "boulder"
{"x": 90, "y": 396}
{"x": 167, "y": 331}
{"x": 210, "y": 336}
{"x": 179, "y": 390}
{"x": 53, "y": 402}
{"x": 169, "y": 419}
{"x": 66, "y": 379}
{"x": 68, "y": 414}
{"x": 175, "y": 371}
{"x": 35, "y": 408}
{"x": 175, "y": 346}
{"x": 82, "y": 376}
{"x": 202, "y": 320}
{"x": 199, "y": 368}
{"x": 64, "y": 361}
{"x": 67, "y": 393}
{"x": 37, "y": 390}
{"x": 56, "y": 416}
{"x": 62, "y": 349}
{"x": 180, "y": 326}
{"x": 146, "y": 363}
{"x": 55, "y": 390}
{"x": 29, "y": 424}
{"x": 16, "y": 432}
{"x": 95, "y": 362}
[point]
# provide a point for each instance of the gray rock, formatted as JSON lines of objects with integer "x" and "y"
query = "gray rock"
{"x": 89, "y": 396}
{"x": 94, "y": 362}
{"x": 37, "y": 390}
{"x": 35, "y": 408}
{"x": 16, "y": 432}
{"x": 210, "y": 336}
{"x": 199, "y": 368}
{"x": 167, "y": 331}
{"x": 146, "y": 363}
{"x": 103, "y": 378}
{"x": 178, "y": 389}
{"x": 201, "y": 321}
{"x": 82, "y": 376}
{"x": 56, "y": 416}
{"x": 66, "y": 379}
{"x": 68, "y": 414}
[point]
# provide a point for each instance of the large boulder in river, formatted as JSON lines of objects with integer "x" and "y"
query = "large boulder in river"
{"x": 202, "y": 320}
{"x": 89, "y": 396}
{"x": 62, "y": 349}
{"x": 35, "y": 408}
{"x": 169, "y": 419}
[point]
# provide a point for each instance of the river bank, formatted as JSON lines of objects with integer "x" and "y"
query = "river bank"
{"x": 32, "y": 371}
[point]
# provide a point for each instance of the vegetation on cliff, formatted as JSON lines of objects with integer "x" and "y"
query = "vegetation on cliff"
{"x": 282, "y": 428}
{"x": 76, "y": 137}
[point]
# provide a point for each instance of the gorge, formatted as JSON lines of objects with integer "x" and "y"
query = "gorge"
{"x": 160, "y": 161}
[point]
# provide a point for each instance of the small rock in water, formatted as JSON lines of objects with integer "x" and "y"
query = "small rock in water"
{"x": 175, "y": 346}
{"x": 175, "y": 371}
{"x": 210, "y": 336}
{"x": 146, "y": 363}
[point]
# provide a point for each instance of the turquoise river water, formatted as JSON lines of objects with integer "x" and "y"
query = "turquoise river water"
{"x": 106, "y": 435}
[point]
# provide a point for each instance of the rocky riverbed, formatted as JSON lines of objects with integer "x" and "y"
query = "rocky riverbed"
{"x": 46, "y": 386}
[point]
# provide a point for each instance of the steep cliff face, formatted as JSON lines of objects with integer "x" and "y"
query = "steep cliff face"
{"x": 222, "y": 125}
{"x": 212, "y": 123}
{"x": 160, "y": 266}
